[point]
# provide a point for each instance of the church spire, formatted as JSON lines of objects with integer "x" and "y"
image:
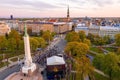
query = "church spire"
{"x": 68, "y": 13}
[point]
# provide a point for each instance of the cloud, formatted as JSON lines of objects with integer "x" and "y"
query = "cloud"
{"x": 23, "y": 3}
{"x": 98, "y": 3}
{"x": 102, "y": 3}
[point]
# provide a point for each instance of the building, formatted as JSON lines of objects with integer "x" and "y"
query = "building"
{"x": 36, "y": 27}
{"x": 108, "y": 31}
{"x": 61, "y": 27}
{"x": 82, "y": 27}
{"x": 93, "y": 29}
{"x": 4, "y": 28}
{"x": 13, "y": 24}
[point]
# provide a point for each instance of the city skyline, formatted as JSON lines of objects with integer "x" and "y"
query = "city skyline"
{"x": 58, "y": 8}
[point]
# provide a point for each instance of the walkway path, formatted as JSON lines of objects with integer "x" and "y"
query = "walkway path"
{"x": 100, "y": 72}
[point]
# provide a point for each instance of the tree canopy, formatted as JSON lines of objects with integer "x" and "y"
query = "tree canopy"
{"x": 109, "y": 64}
{"x": 76, "y": 48}
{"x": 72, "y": 36}
{"x": 117, "y": 39}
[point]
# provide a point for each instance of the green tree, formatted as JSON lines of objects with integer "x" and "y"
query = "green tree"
{"x": 21, "y": 46}
{"x": 84, "y": 68}
{"x": 82, "y": 64}
{"x": 53, "y": 34}
{"x": 87, "y": 41}
{"x": 98, "y": 40}
{"x": 41, "y": 32}
{"x": 42, "y": 42}
{"x": 76, "y": 48}
{"x": 72, "y": 36}
{"x": 98, "y": 61}
{"x": 29, "y": 31}
{"x": 70, "y": 47}
{"x": 106, "y": 39}
{"x": 15, "y": 35}
{"x": 81, "y": 49}
{"x": 11, "y": 44}
{"x": 82, "y": 35}
{"x": 109, "y": 64}
{"x": 91, "y": 37}
{"x": 47, "y": 36}
{"x": 117, "y": 39}
{"x": 3, "y": 43}
{"x": 118, "y": 51}
{"x": 33, "y": 44}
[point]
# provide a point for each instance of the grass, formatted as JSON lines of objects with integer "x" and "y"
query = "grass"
{"x": 111, "y": 49}
{"x": 2, "y": 64}
{"x": 95, "y": 49}
{"x": 11, "y": 54}
{"x": 91, "y": 54}
{"x": 14, "y": 59}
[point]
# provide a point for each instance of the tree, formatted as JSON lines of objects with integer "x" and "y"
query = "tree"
{"x": 118, "y": 51}
{"x": 76, "y": 48}
{"x": 3, "y": 43}
{"x": 41, "y": 32}
{"x": 15, "y": 35}
{"x": 21, "y": 46}
{"x": 91, "y": 37}
{"x": 47, "y": 36}
{"x": 98, "y": 61}
{"x": 82, "y": 64}
{"x": 109, "y": 64}
{"x": 81, "y": 49}
{"x": 98, "y": 40}
{"x": 6, "y": 35}
{"x": 117, "y": 39}
{"x": 11, "y": 44}
{"x": 53, "y": 34}
{"x": 42, "y": 43}
{"x": 82, "y": 35}
{"x": 106, "y": 39}
{"x": 72, "y": 36}
{"x": 29, "y": 31}
{"x": 70, "y": 47}
{"x": 33, "y": 44}
{"x": 84, "y": 68}
{"x": 87, "y": 41}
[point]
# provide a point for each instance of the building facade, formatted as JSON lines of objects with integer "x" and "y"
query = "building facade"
{"x": 82, "y": 27}
{"x": 36, "y": 27}
{"x": 61, "y": 27}
{"x": 108, "y": 31}
{"x": 4, "y": 28}
{"x": 94, "y": 30}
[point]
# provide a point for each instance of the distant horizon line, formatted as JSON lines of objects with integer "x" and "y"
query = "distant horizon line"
{"x": 63, "y": 17}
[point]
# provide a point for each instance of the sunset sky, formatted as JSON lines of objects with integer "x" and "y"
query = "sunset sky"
{"x": 58, "y": 8}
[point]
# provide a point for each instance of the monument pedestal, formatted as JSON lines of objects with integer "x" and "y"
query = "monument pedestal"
{"x": 29, "y": 69}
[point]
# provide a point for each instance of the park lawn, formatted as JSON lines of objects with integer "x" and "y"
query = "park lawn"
{"x": 2, "y": 64}
{"x": 111, "y": 49}
{"x": 14, "y": 59}
{"x": 95, "y": 49}
{"x": 91, "y": 54}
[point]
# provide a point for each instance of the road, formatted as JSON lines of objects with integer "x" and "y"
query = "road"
{"x": 9, "y": 71}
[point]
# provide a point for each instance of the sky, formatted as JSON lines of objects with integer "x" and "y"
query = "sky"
{"x": 58, "y": 8}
